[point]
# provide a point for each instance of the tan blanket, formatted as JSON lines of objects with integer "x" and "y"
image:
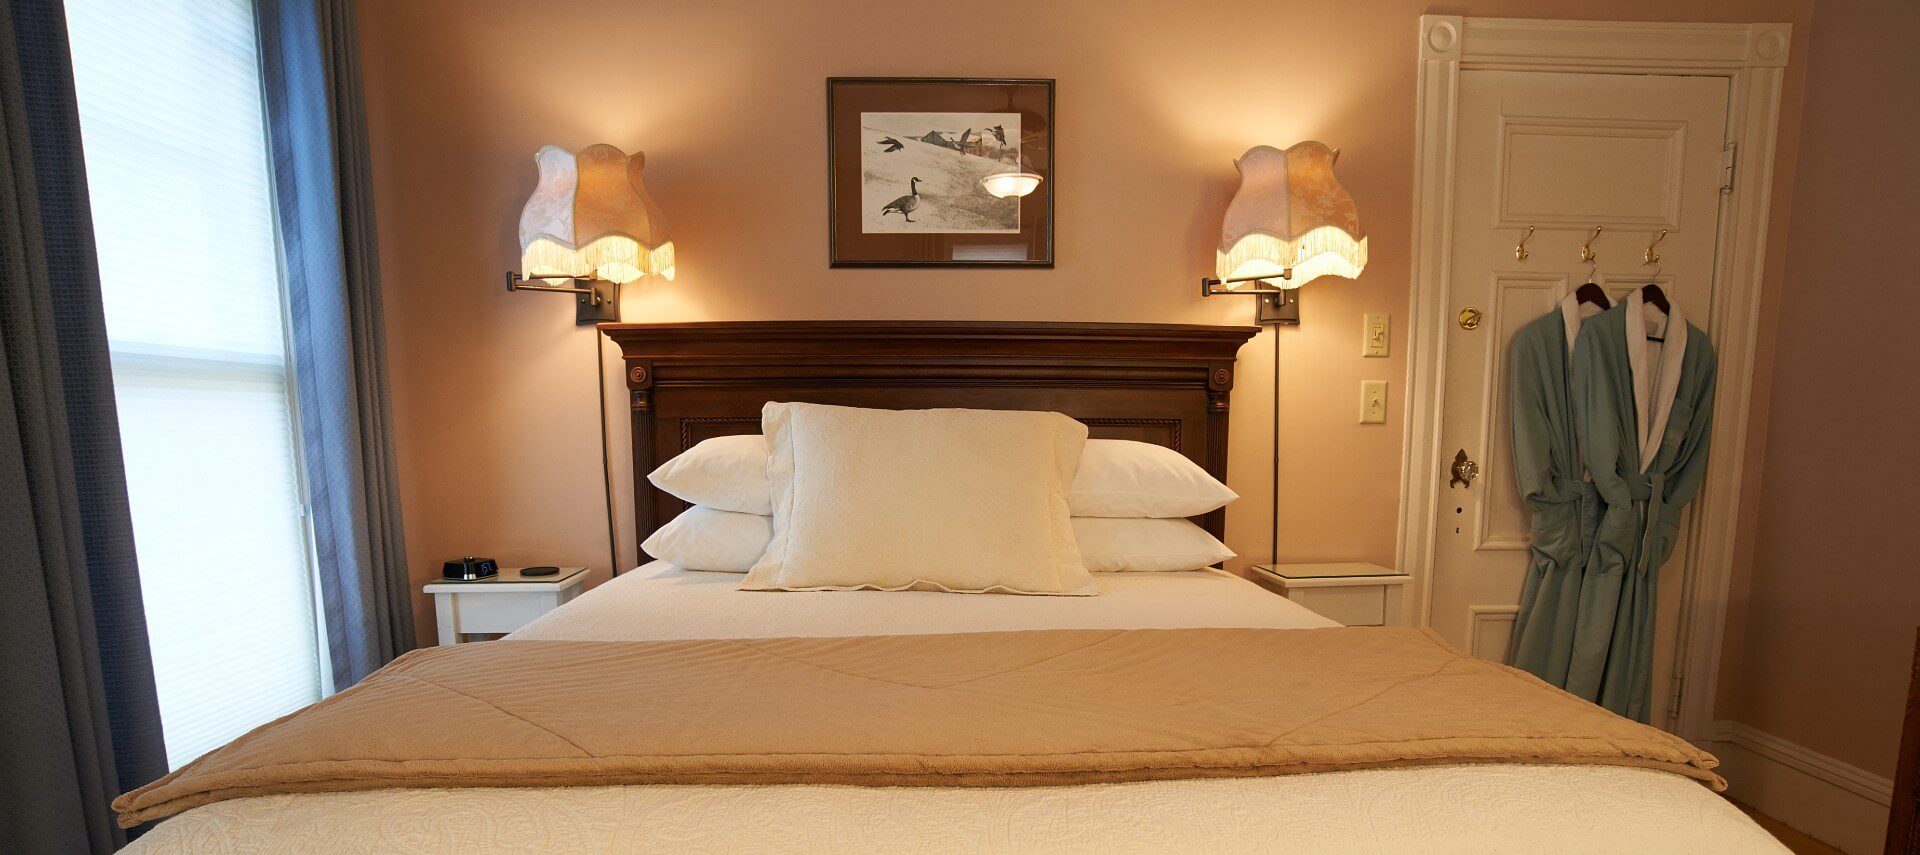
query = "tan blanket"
{"x": 989, "y": 709}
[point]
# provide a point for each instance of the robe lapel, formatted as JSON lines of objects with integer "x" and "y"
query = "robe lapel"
{"x": 1572, "y": 314}
{"x": 1669, "y": 388}
{"x": 1653, "y": 404}
{"x": 1636, "y": 333}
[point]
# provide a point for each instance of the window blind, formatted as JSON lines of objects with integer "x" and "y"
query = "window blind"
{"x": 177, "y": 168}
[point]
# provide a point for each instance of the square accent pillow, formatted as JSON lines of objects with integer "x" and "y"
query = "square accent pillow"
{"x": 965, "y": 501}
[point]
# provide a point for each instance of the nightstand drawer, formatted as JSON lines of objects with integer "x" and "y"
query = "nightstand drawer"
{"x": 1355, "y": 606}
{"x": 503, "y": 613}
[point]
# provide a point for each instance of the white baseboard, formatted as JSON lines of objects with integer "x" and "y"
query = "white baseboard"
{"x": 1837, "y": 803}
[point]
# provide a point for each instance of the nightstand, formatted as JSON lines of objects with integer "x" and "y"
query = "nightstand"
{"x": 499, "y": 604}
{"x": 1353, "y": 594}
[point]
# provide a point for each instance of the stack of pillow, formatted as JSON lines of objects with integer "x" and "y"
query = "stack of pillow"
{"x": 829, "y": 471}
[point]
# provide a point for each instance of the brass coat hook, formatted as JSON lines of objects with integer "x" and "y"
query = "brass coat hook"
{"x": 1586, "y": 250}
{"x": 1651, "y": 257}
{"x": 1520, "y": 249}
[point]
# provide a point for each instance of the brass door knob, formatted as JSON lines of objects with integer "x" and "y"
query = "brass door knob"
{"x": 1464, "y": 470}
{"x": 1469, "y": 318}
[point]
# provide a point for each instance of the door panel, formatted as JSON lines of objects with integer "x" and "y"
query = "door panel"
{"x": 1562, "y": 153}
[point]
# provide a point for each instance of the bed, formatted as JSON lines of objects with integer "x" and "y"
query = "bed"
{"x": 1164, "y": 384}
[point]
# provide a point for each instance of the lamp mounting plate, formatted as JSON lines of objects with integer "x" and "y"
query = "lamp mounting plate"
{"x": 602, "y": 307}
{"x": 1281, "y": 309}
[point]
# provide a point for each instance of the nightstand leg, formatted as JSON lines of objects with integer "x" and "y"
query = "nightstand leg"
{"x": 447, "y": 617}
{"x": 1393, "y": 616}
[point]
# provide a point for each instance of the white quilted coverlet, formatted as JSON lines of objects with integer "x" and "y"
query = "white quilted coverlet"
{"x": 1443, "y": 809}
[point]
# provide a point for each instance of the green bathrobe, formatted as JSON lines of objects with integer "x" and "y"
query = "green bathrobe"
{"x": 1564, "y": 504}
{"x": 1644, "y": 409}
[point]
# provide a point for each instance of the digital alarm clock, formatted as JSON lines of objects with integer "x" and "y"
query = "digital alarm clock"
{"x": 470, "y": 568}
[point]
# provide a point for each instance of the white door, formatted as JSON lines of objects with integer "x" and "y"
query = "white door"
{"x": 1563, "y": 154}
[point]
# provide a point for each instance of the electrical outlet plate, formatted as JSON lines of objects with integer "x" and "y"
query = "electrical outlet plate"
{"x": 1373, "y": 334}
{"x": 1373, "y": 402}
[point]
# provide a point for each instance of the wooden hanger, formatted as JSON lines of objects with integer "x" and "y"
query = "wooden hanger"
{"x": 1652, "y": 294}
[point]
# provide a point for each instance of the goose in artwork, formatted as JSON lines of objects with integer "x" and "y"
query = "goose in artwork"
{"x": 892, "y": 145}
{"x": 905, "y": 205}
{"x": 999, "y": 133}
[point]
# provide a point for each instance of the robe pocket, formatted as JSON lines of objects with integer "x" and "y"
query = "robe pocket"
{"x": 1557, "y": 535}
{"x": 1678, "y": 423}
{"x": 1664, "y": 536}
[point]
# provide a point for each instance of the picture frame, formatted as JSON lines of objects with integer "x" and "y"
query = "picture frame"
{"x": 908, "y": 166}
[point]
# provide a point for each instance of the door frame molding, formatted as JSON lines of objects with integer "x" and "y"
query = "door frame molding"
{"x": 1753, "y": 57}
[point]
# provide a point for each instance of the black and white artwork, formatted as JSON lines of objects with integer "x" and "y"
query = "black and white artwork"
{"x": 920, "y": 172}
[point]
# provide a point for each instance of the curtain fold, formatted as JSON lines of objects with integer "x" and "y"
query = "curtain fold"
{"x": 322, "y": 181}
{"x": 82, "y": 720}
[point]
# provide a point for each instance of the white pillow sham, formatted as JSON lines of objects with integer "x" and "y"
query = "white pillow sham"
{"x": 966, "y": 501}
{"x": 1115, "y": 478}
{"x": 727, "y": 542}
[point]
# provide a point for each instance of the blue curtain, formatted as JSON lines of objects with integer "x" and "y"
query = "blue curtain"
{"x": 317, "y": 127}
{"x": 79, "y": 720}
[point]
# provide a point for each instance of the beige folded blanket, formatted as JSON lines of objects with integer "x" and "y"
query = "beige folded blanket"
{"x": 987, "y": 709}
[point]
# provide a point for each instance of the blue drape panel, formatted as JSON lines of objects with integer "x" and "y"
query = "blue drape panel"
{"x": 79, "y": 719}
{"x": 317, "y": 129}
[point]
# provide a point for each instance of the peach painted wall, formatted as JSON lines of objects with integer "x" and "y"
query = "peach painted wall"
{"x": 494, "y": 396}
{"x": 1834, "y": 585}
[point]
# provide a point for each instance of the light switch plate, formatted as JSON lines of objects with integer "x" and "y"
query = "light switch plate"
{"x": 1373, "y": 334}
{"x": 1373, "y": 402}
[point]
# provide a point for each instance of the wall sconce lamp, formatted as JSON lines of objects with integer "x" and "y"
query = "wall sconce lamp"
{"x": 588, "y": 229}
{"x": 1289, "y": 223}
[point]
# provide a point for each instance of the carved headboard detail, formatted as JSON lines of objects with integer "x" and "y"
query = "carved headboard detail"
{"x": 1167, "y": 384}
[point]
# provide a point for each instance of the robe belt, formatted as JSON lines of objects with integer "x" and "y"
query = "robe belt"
{"x": 1649, "y": 491}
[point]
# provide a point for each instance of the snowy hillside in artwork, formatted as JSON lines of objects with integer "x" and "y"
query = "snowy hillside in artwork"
{"x": 920, "y": 172}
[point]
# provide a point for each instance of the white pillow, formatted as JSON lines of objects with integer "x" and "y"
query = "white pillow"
{"x": 971, "y": 501}
{"x": 1122, "y": 478}
{"x": 702, "y": 538}
{"x": 726, "y": 542}
{"x": 727, "y": 473}
{"x": 1118, "y": 544}
{"x": 1116, "y": 478}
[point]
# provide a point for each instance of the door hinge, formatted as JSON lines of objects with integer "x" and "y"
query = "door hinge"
{"x": 1727, "y": 157}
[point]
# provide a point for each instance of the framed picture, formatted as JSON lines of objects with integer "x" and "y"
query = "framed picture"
{"x": 940, "y": 172}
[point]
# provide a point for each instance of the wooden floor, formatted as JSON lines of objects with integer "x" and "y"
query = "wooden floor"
{"x": 1794, "y": 840}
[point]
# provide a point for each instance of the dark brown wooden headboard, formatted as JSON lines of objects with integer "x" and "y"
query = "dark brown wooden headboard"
{"x": 1160, "y": 383}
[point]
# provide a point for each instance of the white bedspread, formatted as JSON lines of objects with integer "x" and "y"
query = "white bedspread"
{"x": 1443, "y": 809}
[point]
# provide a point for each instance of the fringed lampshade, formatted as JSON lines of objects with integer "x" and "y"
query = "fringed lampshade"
{"x": 1290, "y": 220}
{"x": 590, "y": 218}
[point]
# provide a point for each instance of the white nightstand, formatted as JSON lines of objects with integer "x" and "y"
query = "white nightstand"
{"x": 1353, "y": 594}
{"x": 500, "y": 603}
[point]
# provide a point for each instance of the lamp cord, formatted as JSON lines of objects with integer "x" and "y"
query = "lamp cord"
{"x": 606, "y": 455}
{"x": 1273, "y": 512}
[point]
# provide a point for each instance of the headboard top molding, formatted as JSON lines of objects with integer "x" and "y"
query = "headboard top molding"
{"x": 875, "y": 338}
{"x": 1162, "y": 383}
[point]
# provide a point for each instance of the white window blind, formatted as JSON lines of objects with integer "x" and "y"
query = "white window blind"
{"x": 177, "y": 166}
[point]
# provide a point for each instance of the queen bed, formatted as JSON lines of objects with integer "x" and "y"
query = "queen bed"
{"x": 1164, "y": 384}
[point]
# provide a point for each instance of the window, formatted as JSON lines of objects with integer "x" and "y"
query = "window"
{"x": 174, "y": 131}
